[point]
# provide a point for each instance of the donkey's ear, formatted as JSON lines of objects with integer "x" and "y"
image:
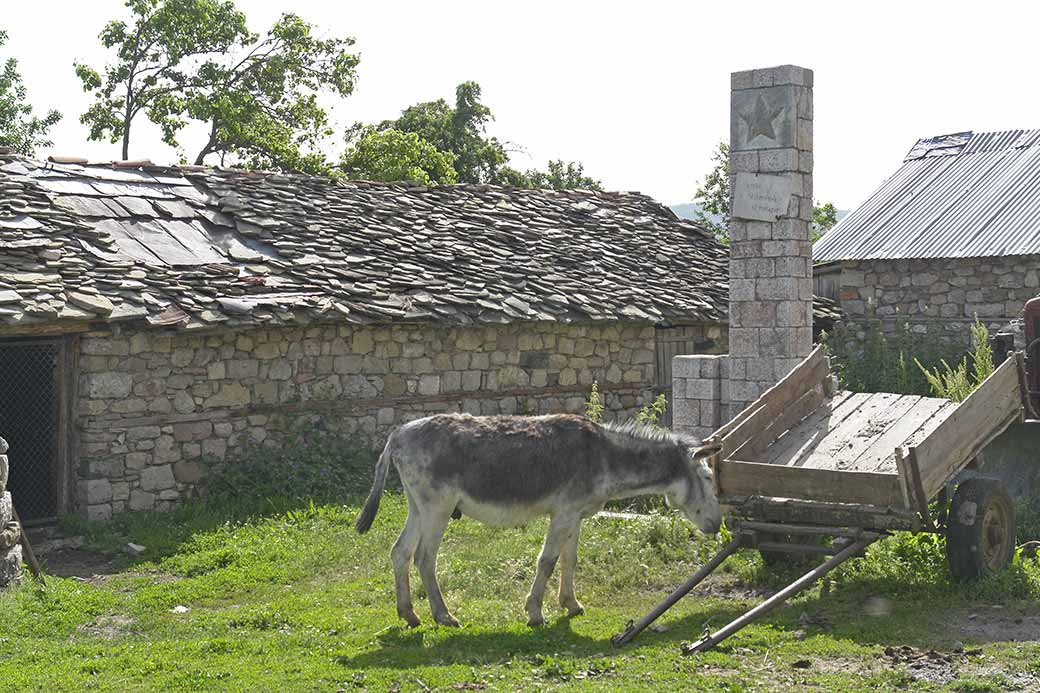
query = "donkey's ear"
{"x": 706, "y": 451}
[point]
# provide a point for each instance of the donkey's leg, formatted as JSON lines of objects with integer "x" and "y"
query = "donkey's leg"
{"x": 401, "y": 556}
{"x": 568, "y": 559}
{"x": 435, "y": 521}
{"x": 559, "y": 529}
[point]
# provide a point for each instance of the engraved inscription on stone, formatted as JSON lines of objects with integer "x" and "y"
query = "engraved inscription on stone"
{"x": 760, "y": 197}
{"x": 763, "y": 118}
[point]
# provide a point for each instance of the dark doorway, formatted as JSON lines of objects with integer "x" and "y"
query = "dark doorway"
{"x": 31, "y": 421}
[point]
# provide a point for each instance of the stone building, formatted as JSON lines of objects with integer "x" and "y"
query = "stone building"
{"x": 951, "y": 235}
{"x": 153, "y": 318}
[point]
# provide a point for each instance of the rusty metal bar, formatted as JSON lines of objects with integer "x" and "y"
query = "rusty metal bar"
{"x": 709, "y": 641}
{"x": 634, "y": 629}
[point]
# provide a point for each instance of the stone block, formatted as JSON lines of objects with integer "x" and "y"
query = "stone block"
{"x": 99, "y": 513}
{"x": 157, "y": 478}
{"x": 141, "y": 500}
{"x": 702, "y": 388}
{"x": 108, "y": 385}
{"x": 10, "y": 565}
{"x": 214, "y": 448}
{"x": 778, "y": 160}
{"x": 187, "y": 472}
{"x": 429, "y": 384}
{"x": 192, "y": 430}
{"x": 230, "y": 395}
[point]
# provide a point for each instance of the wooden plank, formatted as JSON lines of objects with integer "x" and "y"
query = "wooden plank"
{"x": 919, "y": 495}
{"x": 791, "y": 417}
{"x": 789, "y": 510}
{"x": 985, "y": 413}
{"x": 841, "y": 437}
{"x": 737, "y": 478}
{"x": 789, "y": 388}
{"x": 872, "y": 430}
{"x": 905, "y": 482}
{"x": 878, "y": 456}
{"x": 794, "y": 447}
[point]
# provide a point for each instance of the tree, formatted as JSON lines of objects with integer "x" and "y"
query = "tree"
{"x": 262, "y": 109}
{"x": 461, "y": 131}
{"x": 393, "y": 155}
{"x": 713, "y": 195}
{"x": 825, "y": 216}
{"x": 19, "y": 127}
{"x": 562, "y": 176}
{"x": 154, "y": 57}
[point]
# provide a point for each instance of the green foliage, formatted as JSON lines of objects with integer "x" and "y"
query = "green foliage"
{"x": 713, "y": 196}
{"x": 559, "y": 176}
{"x": 154, "y": 57}
{"x": 393, "y": 155}
{"x": 313, "y": 465}
{"x": 458, "y": 129}
{"x": 651, "y": 415}
{"x": 957, "y": 383}
{"x": 461, "y": 131}
{"x": 19, "y": 127}
{"x": 262, "y": 107}
{"x": 825, "y": 216}
{"x": 877, "y": 363}
{"x": 594, "y": 405}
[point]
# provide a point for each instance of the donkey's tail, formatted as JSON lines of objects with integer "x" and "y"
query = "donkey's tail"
{"x": 368, "y": 513}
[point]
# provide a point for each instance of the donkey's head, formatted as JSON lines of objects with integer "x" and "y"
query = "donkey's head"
{"x": 694, "y": 493}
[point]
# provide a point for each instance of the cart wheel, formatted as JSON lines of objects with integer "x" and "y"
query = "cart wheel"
{"x": 980, "y": 533}
{"x": 783, "y": 558}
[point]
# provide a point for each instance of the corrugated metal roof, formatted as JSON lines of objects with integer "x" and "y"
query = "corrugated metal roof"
{"x": 960, "y": 195}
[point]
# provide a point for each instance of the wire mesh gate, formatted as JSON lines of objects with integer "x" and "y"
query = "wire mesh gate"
{"x": 30, "y": 421}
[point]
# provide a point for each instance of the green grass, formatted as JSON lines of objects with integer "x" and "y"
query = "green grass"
{"x": 285, "y": 596}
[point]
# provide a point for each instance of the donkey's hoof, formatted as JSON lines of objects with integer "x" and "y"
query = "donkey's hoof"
{"x": 536, "y": 621}
{"x": 447, "y": 620}
{"x": 411, "y": 619}
{"x": 575, "y": 609}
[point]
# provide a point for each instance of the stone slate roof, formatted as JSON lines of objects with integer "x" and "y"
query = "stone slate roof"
{"x": 193, "y": 247}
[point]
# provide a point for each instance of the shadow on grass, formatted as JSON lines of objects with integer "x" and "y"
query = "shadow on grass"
{"x": 164, "y": 533}
{"x": 402, "y": 648}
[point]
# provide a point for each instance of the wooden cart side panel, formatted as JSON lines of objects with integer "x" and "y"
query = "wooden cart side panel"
{"x": 774, "y": 402}
{"x": 802, "y": 407}
{"x": 977, "y": 420}
{"x": 736, "y": 478}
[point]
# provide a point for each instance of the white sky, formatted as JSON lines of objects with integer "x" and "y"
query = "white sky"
{"x": 638, "y": 91}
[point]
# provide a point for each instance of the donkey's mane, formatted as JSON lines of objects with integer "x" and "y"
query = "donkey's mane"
{"x": 636, "y": 430}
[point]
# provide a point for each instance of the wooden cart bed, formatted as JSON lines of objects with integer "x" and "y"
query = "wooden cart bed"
{"x": 804, "y": 440}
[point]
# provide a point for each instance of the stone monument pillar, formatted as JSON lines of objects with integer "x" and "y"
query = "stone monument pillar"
{"x": 770, "y": 271}
{"x": 770, "y": 267}
{"x": 10, "y": 548}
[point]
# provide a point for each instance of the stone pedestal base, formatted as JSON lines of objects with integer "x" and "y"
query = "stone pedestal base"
{"x": 10, "y": 566}
{"x": 10, "y": 555}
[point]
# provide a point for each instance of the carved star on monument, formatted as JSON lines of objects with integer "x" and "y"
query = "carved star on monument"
{"x": 759, "y": 120}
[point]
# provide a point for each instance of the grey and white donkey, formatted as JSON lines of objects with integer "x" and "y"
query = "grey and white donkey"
{"x": 508, "y": 470}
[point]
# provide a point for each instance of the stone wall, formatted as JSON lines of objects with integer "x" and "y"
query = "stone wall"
{"x": 151, "y": 405}
{"x": 938, "y": 297}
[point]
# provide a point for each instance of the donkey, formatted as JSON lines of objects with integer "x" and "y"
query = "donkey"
{"x": 508, "y": 470}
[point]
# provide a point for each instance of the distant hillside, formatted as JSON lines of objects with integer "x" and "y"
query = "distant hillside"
{"x": 689, "y": 210}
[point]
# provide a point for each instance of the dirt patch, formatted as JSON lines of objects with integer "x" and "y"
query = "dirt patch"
{"x": 728, "y": 587}
{"x": 107, "y": 627}
{"x": 996, "y": 625}
{"x": 78, "y": 563}
{"x": 928, "y": 665}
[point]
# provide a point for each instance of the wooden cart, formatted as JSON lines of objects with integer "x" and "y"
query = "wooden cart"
{"x": 807, "y": 468}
